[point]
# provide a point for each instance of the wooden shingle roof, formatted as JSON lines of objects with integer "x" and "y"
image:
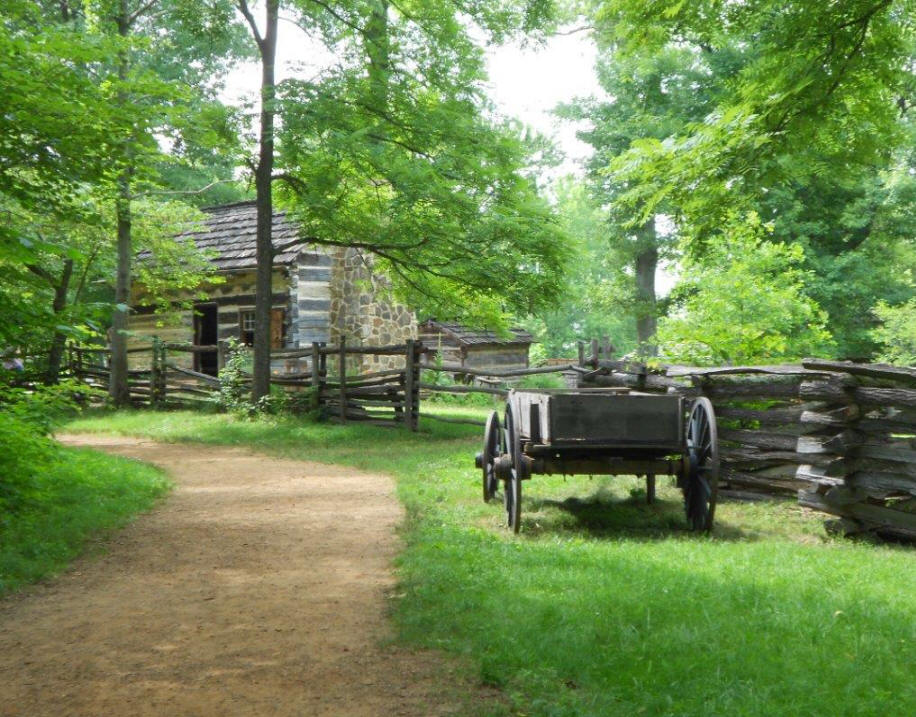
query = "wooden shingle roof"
{"x": 465, "y": 336}
{"x": 230, "y": 236}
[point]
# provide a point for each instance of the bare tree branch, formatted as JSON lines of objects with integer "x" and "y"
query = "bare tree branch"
{"x": 249, "y": 18}
{"x": 186, "y": 192}
{"x": 140, "y": 11}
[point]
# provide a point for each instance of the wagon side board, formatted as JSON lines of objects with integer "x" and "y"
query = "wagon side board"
{"x": 582, "y": 419}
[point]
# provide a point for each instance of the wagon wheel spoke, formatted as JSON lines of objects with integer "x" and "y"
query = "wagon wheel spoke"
{"x": 701, "y": 484}
{"x": 491, "y": 451}
{"x": 512, "y": 486}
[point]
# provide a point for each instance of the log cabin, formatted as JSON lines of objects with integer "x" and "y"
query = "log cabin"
{"x": 319, "y": 295}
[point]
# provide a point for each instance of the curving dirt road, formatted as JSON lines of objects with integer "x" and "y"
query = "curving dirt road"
{"x": 257, "y": 587}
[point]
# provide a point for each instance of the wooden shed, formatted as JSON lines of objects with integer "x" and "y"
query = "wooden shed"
{"x": 475, "y": 348}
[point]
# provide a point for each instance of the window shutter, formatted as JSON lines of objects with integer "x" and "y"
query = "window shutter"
{"x": 276, "y": 328}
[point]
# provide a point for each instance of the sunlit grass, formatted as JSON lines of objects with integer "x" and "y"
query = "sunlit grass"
{"x": 81, "y": 497}
{"x": 605, "y": 605}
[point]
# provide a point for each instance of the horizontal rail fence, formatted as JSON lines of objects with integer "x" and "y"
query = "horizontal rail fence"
{"x": 158, "y": 382}
{"x": 339, "y": 388}
{"x": 841, "y": 437}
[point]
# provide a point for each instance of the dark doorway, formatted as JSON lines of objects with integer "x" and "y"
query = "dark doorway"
{"x": 206, "y": 334}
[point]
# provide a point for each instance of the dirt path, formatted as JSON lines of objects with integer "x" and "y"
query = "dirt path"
{"x": 257, "y": 588}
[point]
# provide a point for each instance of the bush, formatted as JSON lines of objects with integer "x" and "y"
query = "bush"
{"x": 27, "y": 417}
{"x": 744, "y": 301}
{"x": 897, "y": 333}
{"x": 234, "y": 388}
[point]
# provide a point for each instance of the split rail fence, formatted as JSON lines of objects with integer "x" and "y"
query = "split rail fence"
{"x": 839, "y": 436}
{"x": 331, "y": 386}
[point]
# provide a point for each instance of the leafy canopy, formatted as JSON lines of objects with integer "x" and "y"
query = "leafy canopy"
{"x": 744, "y": 302}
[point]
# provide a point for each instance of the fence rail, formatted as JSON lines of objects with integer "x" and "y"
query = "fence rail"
{"x": 839, "y": 436}
{"x": 388, "y": 396}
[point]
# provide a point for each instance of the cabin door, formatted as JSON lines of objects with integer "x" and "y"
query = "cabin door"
{"x": 206, "y": 334}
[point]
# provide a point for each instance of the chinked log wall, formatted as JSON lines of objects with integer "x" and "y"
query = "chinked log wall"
{"x": 840, "y": 436}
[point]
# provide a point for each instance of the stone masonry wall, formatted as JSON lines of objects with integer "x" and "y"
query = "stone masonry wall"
{"x": 362, "y": 312}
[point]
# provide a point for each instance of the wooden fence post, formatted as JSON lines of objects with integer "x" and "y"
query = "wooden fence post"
{"x": 155, "y": 374}
{"x": 164, "y": 377}
{"x": 581, "y": 346}
{"x": 343, "y": 378}
{"x": 411, "y": 389}
{"x": 316, "y": 373}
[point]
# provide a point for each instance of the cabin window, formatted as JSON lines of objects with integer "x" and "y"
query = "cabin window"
{"x": 277, "y": 327}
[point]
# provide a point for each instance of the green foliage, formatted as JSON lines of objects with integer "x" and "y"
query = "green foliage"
{"x": 541, "y": 380}
{"x": 27, "y": 453}
{"x": 76, "y": 496}
{"x": 598, "y": 294}
{"x": 603, "y": 605}
{"x": 812, "y": 92}
{"x": 897, "y": 333}
{"x": 795, "y": 111}
{"x": 27, "y": 417}
{"x": 395, "y": 149}
{"x": 744, "y": 302}
{"x": 234, "y": 379}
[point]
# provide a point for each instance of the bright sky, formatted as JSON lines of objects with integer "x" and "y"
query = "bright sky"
{"x": 525, "y": 83}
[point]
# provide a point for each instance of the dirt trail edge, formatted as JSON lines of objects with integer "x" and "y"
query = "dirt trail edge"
{"x": 257, "y": 587}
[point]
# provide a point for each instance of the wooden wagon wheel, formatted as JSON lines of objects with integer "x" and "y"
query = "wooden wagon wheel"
{"x": 512, "y": 486}
{"x": 702, "y": 481}
{"x": 493, "y": 447}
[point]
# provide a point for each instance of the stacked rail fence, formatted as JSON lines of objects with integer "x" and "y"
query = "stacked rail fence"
{"x": 333, "y": 385}
{"x": 839, "y": 436}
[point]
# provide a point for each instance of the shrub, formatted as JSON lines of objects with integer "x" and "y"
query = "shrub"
{"x": 897, "y": 333}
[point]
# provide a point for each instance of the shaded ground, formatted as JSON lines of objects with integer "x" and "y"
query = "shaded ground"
{"x": 257, "y": 588}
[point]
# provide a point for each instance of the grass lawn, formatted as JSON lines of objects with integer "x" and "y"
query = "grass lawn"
{"x": 81, "y": 497}
{"x": 605, "y": 605}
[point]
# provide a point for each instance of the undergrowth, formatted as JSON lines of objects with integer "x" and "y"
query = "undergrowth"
{"x": 77, "y": 498}
{"x": 55, "y": 500}
{"x": 605, "y": 605}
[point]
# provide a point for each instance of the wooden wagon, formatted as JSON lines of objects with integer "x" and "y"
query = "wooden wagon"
{"x": 603, "y": 431}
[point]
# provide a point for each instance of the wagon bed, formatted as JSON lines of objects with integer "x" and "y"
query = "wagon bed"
{"x": 599, "y": 419}
{"x": 603, "y": 432}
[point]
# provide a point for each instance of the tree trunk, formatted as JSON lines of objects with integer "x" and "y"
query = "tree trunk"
{"x": 260, "y": 385}
{"x": 58, "y": 343}
{"x": 118, "y": 389}
{"x": 378, "y": 48}
{"x": 646, "y": 307}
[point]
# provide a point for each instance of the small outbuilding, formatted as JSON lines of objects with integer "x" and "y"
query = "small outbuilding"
{"x": 474, "y": 348}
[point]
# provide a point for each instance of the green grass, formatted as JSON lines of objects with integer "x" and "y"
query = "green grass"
{"x": 78, "y": 499}
{"x": 607, "y": 606}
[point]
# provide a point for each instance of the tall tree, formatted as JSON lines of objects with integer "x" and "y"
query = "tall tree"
{"x": 150, "y": 90}
{"x": 801, "y": 126}
{"x": 266, "y": 41}
{"x": 646, "y": 98}
{"x": 393, "y": 150}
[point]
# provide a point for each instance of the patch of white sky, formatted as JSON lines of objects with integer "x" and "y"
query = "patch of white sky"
{"x": 529, "y": 82}
{"x": 525, "y": 82}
